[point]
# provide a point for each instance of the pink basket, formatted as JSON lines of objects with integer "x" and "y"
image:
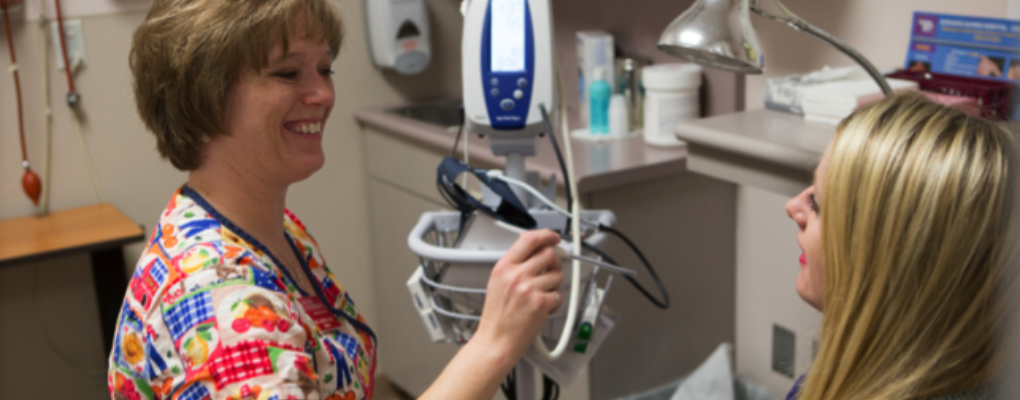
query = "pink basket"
{"x": 993, "y": 97}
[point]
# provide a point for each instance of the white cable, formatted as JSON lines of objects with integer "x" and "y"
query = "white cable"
{"x": 44, "y": 208}
{"x": 89, "y": 165}
{"x": 570, "y": 179}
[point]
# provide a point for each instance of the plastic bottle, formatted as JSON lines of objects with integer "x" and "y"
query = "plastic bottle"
{"x": 619, "y": 118}
{"x": 599, "y": 92}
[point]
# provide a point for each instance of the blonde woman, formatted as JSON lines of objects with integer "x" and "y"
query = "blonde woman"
{"x": 904, "y": 234}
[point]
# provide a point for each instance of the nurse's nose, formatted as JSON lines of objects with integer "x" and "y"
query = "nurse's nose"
{"x": 319, "y": 92}
{"x": 797, "y": 208}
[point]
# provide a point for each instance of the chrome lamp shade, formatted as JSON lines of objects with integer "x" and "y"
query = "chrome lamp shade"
{"x": 718, "y": 34}
{"x": 715, "y": 33}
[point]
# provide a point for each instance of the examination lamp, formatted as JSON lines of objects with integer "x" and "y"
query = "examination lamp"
{"x": 719, "y": 34}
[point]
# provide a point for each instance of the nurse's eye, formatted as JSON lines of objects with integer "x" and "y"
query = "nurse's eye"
{"x": 327, "y": 72}
{"x": 289, "y": 75}
{"x": 813, "y": 203}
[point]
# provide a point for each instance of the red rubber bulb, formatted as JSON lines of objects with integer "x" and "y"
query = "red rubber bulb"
{"x": 32, "y": 185}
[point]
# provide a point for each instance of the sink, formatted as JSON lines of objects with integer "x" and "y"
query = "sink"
{"x": 444, "y": 113}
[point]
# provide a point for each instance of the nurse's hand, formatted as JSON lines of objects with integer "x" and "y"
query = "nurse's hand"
{"x": 522, "y": 292}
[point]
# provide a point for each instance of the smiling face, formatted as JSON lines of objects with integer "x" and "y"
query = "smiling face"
{"x": 804, "y": 210}
{"x": 275, "y": 117}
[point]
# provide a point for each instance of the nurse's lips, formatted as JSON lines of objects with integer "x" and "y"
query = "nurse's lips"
{"x": 803, "y": 259}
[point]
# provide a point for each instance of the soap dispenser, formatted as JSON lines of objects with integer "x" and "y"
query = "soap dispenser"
{"x": 398, "y": 35}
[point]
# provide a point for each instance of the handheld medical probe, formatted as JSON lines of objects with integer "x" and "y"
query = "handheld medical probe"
{"x": 566, "y": 256}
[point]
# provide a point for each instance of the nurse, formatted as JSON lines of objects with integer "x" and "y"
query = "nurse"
{"x": 232, "y": 298}
{"x": 908, "y": 248}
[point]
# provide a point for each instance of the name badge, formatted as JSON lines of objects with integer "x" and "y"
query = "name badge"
{"x": 323, "y": 318}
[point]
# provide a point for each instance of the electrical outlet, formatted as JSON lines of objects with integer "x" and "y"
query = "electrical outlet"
{"x": 784, "y": 350}
{"x": 75, "y": 39}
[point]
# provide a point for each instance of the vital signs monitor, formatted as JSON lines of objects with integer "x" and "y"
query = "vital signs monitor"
{"x": 507, "y": 69}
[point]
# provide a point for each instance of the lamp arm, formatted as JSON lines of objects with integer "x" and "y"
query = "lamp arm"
{"x": 798, "y": 23}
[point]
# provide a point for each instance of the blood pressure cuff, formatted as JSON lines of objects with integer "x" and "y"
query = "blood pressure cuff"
{"x": 510, "y": 210}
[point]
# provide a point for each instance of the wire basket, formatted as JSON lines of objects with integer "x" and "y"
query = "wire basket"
{"x": 993, "y": 97}
{"x": 454, "y": 279}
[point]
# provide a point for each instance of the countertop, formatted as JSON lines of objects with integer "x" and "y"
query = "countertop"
{"x": 769, "y": 136}
{"x": 599, "y": 166}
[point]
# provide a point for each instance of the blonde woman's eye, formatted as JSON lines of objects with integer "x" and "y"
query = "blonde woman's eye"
{"x": 289, "y": 75}
{"x": 813, "y": 203}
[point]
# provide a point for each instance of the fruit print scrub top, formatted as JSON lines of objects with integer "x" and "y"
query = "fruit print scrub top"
{"x": 210, "y": 313}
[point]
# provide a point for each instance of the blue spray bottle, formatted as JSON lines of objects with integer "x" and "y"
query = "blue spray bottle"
{"x": 599, "y": 94}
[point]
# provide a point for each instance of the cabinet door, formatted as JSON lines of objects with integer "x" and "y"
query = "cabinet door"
{"x": 685, "y": 226}
{"x": 408, "y": 358}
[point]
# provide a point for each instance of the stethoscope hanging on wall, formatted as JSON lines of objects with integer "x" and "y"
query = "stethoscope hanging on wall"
{"x": 30, "y": 182}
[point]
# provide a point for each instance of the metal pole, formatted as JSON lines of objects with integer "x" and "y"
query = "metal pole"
{"x": 525, "y": 385}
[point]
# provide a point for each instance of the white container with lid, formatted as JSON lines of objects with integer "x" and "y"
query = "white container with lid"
{"x": 671, "y": 97}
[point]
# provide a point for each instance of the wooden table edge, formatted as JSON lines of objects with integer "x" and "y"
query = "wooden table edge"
{"x": 87, "y": 248}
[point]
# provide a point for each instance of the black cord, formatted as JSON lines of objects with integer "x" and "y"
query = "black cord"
{"x": 453, "y": 152}
{"x": 460, "y": 130}
{"x": 509, "y": 386}
{"x": 559, "y": 157}
{"x": 550, "y": 389}
{"x": 446, "y": 196}
{"x": 664, "y": 304}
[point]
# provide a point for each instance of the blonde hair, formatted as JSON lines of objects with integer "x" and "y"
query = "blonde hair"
{"x": 915, "y": 211}
{"x": 188, "y": 53}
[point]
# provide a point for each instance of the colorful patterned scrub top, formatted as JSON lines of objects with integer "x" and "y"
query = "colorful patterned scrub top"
{"x": 211, "y": 314}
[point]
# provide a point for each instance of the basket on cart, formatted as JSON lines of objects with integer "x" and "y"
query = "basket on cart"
{"x": 993, "y": 97}
{"x": 449, "y": 285}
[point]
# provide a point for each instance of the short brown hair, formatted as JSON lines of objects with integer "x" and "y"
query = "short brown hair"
{"x": 188, "y": 53}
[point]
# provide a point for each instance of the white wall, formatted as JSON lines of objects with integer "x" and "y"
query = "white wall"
{"x": 82, "y": 8}
{"x": 332, "y": 203}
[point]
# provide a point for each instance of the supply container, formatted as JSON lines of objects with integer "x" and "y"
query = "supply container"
{"x": 599, "y": 92}
{"x": 628, "y": 76}
{"x": 594, "y": 51}
{"x": 619, "y": 121}
{"x": 671, "y": 97}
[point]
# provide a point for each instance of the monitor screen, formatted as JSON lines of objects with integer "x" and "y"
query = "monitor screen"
{"x": 507, "y": 46}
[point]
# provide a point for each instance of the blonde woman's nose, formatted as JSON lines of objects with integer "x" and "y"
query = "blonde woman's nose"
{"x": 797, "y": 208}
